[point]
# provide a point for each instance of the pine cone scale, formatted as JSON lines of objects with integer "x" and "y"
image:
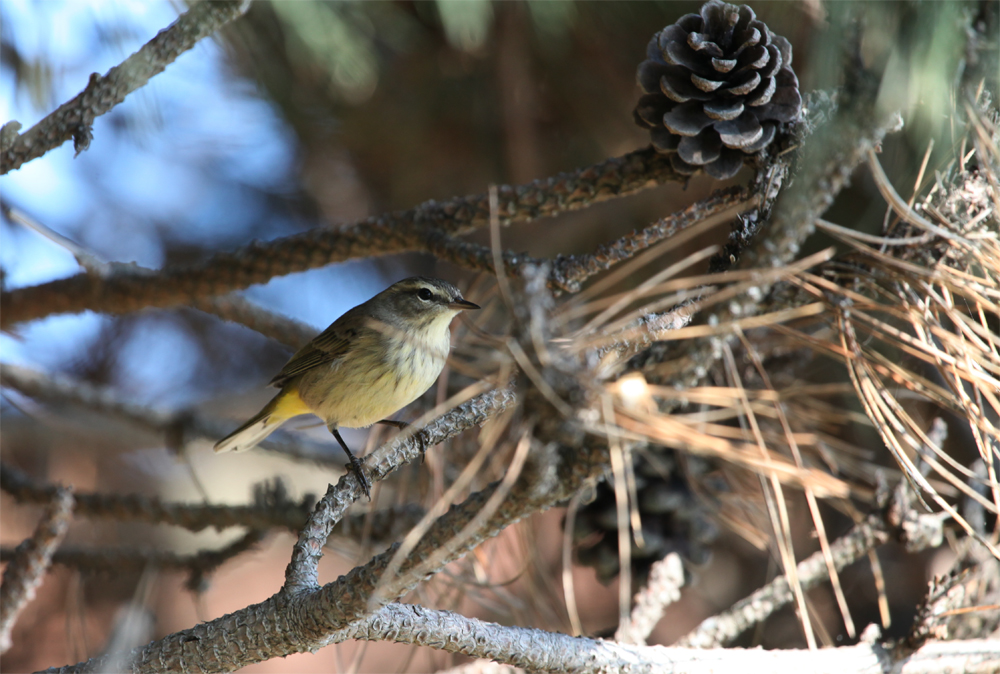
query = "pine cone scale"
{"x": 724, "y": 110}
{"x": 687, "y": 119}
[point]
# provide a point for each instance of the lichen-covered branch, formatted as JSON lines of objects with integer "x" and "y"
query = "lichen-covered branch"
{"x": 403, "y": 231}
{"x": 541, "y": 651}
{"x": 28, "y": 562}
{"x": 898, "y": 520}
{"x": 74, "y": 118}
{"x": 291, "y": 622}
{"x": 666, "y": 578}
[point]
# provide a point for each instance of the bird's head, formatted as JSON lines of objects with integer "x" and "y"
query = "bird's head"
{"x": 419, "y": 303}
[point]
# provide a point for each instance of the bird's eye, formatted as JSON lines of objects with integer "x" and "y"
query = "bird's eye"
{"x": 425, "y": 294}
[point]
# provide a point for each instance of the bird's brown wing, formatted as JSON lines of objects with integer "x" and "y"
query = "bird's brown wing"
{"x": 328, "y": 346}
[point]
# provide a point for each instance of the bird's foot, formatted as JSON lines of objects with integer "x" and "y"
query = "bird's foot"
{"x": 355, "y": 466}
{"x": 355, "y": 463}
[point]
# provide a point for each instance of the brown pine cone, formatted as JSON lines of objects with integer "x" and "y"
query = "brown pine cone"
{"x": 718, "y": 86}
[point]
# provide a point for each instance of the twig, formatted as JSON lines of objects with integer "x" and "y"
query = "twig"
{"x": 568, "y": 272}
{"x": 118, "y": 560}
{"x": 272, "y": 508}
{"x": 898, "y": 520}
{"x": 666, "y": 578}
{"x": 724, "y": 627}
{"x": 123, "y": 292}
{"x": 28, "y": 562}
{"x": 230, "y": 307}
{"x": 74, "y": 118}
{"x": 237, "y": 309}
{"x": 826, "y": 168}
{"x": 177, "y": 427}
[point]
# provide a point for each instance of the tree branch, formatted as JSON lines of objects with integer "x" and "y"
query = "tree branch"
{"x": 74, "y": 118}
{"x": 302, "y": 615}
{"x": 271, "y": 508}
{"x": 772, "y": 240}
{"x": 29, "y": 561}
{"x": 302, "y": 572}
{"x": 240, "y": 310}
{"x": 403, "y": 231}
{"x": 568, "y": 272}
{"x": 176, "y": 426}
{"x": 538, "y": 650}
{"x": 117, "y": 560}
{"x": 666, "y": 578}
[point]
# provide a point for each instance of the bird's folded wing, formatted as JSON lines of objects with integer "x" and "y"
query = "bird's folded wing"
{"x": 328, "y": 346}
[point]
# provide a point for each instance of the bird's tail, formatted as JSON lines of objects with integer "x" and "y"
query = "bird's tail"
{"x": 282, "y": 407}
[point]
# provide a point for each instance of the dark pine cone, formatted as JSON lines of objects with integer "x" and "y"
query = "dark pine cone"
{"x": 718, "y": 84}
{"x": 674, "y": 519}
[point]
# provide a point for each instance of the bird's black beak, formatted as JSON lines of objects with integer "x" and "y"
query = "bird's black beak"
{"x": 463, "y": 305}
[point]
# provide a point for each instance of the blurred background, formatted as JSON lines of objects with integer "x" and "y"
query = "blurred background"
{"x": 312, "y": 114}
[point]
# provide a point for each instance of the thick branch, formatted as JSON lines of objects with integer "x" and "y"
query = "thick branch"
{"x": 123, "y": 292}
{"x": 74, "y": 118}
{"x": 538, "y": 650}
{"x": 29, "y": 561}
{"x": 292, "y": 622}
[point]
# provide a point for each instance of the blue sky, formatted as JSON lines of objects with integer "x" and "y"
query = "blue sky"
{"x": 187, "y": 158}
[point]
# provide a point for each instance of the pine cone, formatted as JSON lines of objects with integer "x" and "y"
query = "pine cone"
{"x": 718, "y": 87}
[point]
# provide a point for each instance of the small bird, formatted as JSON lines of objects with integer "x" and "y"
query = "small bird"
{"x": 374, "y": 360}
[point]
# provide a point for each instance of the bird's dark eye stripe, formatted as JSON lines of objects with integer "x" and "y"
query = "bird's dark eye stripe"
{"x": 425, "y": 294}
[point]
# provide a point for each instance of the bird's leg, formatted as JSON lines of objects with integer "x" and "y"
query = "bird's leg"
{"x": 418, "y": 436}
{"x": 355, "y": 464}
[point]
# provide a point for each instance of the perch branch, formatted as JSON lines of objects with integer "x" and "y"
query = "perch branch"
{"x": 28, "y": 562}
{"x": 303, "y": 569}
{"x": 302, "y": 615}
{"x": 75, "y": 118}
